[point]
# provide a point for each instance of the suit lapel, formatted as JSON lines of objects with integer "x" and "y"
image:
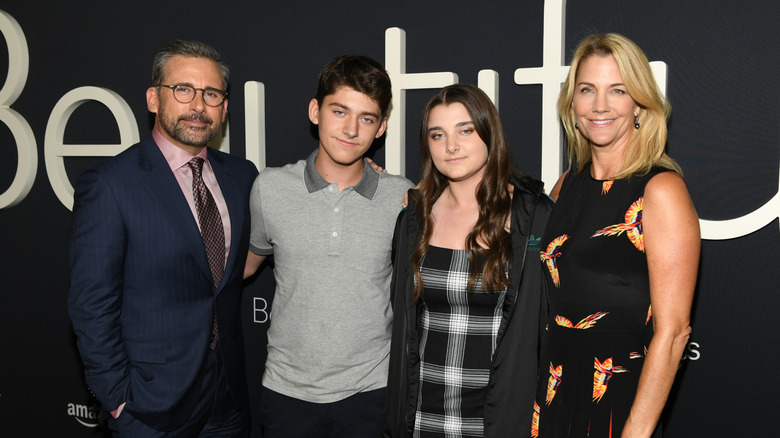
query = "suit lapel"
{"x": 229, "y": 186}
{"x": 162, "y": 187}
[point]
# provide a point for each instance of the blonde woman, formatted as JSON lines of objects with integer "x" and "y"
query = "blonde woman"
{"x": 621, "y": 252}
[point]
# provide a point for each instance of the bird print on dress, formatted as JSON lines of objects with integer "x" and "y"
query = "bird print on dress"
{"x": 585, "y": 323}
{"x": 649, "y": 314}
{"x": 637, "y": 355}
{"x": 601, "y": 376}
{"x": 552, "y": 253}
{"x": 535, "y": 421}
{"x": 632, "y": 226}
{"x": 553, "y": 382}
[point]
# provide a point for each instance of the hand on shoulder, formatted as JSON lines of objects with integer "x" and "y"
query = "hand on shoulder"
{"x": 375, "y": 166}
{"x": 556, "y": 190}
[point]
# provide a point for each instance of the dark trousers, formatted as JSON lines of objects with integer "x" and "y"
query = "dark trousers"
{"x": 215, "y": 415}
{"x": 358, "y": 416}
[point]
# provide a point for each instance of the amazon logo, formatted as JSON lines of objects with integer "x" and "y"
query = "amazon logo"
{"x": 85, "y": 415}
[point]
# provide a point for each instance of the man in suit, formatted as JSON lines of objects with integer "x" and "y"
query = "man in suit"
{"x": 158, "y": 244}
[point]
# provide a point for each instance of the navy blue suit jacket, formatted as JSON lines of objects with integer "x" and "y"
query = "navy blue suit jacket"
{"x": 141, "y": 298}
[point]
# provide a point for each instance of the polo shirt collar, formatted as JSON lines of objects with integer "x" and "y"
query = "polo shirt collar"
{"x": 367, "y": 187}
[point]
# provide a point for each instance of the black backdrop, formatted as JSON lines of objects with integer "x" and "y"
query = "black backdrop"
{"x": 721, "y": 59}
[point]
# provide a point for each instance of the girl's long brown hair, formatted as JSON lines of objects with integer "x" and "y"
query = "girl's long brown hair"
{"x": 492, "y": 192}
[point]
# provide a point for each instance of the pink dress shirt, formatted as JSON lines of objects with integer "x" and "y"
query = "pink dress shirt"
{"x": 177, "y": 159}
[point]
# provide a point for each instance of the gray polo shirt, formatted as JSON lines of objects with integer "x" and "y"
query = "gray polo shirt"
{"x": 329, "y": 336}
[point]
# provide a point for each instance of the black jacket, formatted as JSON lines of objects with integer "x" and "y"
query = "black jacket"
{"x": 512, "y": 384}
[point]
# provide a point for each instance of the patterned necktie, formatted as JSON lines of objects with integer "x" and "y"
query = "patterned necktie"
{"x": 210, "y": 228}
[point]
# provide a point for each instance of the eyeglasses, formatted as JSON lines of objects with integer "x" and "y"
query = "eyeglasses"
{"x": 186, "y": 94}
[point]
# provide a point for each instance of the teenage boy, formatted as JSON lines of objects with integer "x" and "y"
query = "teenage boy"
{"x": 328, "y": 220}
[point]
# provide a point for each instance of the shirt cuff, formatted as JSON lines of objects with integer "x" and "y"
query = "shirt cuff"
{"x": 115, "y": 413}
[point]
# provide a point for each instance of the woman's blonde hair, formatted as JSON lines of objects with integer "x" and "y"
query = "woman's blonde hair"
{"x": 646, "y": 145}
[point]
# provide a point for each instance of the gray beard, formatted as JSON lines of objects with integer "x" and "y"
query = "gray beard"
{"x": 189, "y": 136}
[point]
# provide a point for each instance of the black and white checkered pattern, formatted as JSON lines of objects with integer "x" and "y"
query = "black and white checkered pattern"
{"x": 457, "y": 341}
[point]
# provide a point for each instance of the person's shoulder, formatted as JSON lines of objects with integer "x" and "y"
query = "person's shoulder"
{"x": 295, "y": 168}
{"x": 126, "y": 159}
{"x": 665, "y": 183}
{"x": 234, "y": 161}
{"x": 395, "y": 181}
{"x": 666, "y": 201}
{"x": 527, "y": 185}
{"x": 556, "y": 189}
{"x": 280, "y": 177}
{"x": 115, "y": 171}
{"x": 530, "y": 191}
{"x": 237, "y": 167}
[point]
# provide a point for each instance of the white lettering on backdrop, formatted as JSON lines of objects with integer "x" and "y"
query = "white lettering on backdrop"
{"x": 550, "y": 75}
{"x": 27, "y": 150}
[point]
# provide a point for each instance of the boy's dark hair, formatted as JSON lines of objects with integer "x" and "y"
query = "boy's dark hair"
{"x": 360, "y": 73}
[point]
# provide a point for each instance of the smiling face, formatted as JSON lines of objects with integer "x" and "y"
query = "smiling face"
{"x": 348, "y": 121}
{"x": 187, "y": 125}
{"x": 602, "y": 107}
{"x": 456, "y": 149}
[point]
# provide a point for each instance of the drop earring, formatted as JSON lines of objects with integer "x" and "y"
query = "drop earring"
{"x": 636, "y": 122}
{"x": 576, "y": 125}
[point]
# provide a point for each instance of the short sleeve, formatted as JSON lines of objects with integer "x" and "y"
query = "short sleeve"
{"x": 258, "y": 241}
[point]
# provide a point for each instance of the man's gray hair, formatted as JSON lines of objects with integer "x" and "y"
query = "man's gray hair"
{"x": 191, "y": 49}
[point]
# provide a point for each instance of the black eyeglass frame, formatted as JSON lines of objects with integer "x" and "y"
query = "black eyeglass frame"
{"x": 173, "y": 88}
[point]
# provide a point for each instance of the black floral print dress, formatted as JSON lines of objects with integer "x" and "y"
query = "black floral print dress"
{"x": 600, "y": 320}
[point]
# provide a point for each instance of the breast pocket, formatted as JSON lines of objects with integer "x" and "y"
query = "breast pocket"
{"x": 368, "y": 250}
